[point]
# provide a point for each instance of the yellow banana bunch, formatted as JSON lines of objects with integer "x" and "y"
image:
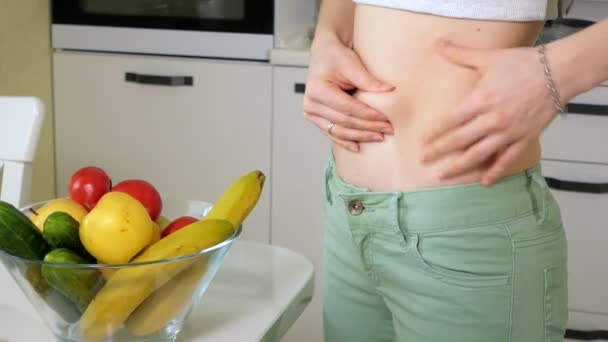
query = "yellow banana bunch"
{"x": 129, "y": 287}
{"x": 169, "y": 301}
{"x": 239, "y": 199}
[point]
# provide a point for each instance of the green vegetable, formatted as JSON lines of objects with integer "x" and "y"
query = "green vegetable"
{"x": 79, "y": 285}
{"x": 34, "y": 276}
{"x": 61, "y": 231}
{"x": 19, "y": 236}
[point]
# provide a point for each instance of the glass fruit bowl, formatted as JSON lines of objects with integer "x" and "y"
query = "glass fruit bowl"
{"x": 135, "y": 302}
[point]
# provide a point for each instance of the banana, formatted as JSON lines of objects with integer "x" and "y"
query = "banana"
{"x": 169, "y": 302}
{"x": 129, "y": 287}
{"x": 239, "y": 199}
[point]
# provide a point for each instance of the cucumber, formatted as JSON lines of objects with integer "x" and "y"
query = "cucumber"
{"x": 79, "y": 285}
{"x": 19, "y": 236}
{"x": 33, "y": 274}
{"x": 61, "y": 231}
{"x": 55, "y": 300}
{"x": 63, "y": 307}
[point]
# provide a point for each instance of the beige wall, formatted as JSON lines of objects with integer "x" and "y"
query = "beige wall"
{"x": 25, "y": 69}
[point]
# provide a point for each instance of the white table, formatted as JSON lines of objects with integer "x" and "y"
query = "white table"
{"x": 258, "y": 293}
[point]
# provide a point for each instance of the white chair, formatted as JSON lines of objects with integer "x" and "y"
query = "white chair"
{"x": 20, "y": 124}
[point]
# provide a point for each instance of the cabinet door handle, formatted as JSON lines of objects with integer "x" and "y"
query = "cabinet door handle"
{"x": 589, "y": 335}
{"x": 172, "y": 81}
{"x": 588, "y": 109}
{"x": 592, "y": 188}
{"x": 299, "y": 88}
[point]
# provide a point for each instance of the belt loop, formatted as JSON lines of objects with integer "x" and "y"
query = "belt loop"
{"x": 536, "y": 177}
{"x": 398, "y": 221}
{"x": 328, "y": 174}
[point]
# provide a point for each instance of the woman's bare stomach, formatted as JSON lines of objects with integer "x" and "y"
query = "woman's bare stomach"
{"x": 397, "y": 47}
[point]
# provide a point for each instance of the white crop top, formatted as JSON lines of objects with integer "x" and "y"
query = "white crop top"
{"x": 507, "y": 10}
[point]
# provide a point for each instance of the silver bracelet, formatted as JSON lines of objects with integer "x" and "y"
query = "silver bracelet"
{"x": 550, "y": 84}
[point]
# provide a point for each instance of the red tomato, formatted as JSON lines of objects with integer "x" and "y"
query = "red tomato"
{"x": 145, "y": 193}
{"x": 177, "y": 224}
{"x": 88, "y": 184}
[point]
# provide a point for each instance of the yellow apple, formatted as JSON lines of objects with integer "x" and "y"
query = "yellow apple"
{"x": 66, "y": 205}
{"x": 117, "y": 228}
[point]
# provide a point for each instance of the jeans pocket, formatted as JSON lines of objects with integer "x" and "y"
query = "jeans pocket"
{"x": 477, "y": 257}
{"x": 555, "y": 302}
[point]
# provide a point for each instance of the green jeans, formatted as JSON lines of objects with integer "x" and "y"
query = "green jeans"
{"x": 458, "y": 263}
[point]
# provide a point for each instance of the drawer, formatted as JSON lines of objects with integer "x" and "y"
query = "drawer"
{"x": 581, "y": 190}
{"x": 183, "y": 124}
{"x": 582, "y": 134}
{"x": 584, "y": 326}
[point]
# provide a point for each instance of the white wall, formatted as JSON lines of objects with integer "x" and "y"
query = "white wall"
{"x": 25, "y": 69}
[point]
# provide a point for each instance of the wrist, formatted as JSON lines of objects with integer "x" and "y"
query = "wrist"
{"x": 325, "y": 38}
{"x": 325, "y": 35}
{"x": 569, "y": 70}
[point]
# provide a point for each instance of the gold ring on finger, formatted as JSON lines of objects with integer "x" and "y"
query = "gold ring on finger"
{"x": 329, "y": 127}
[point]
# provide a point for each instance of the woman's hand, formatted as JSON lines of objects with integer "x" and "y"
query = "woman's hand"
{"x": 507, "y": 110}
{"x": 335, "y": 70}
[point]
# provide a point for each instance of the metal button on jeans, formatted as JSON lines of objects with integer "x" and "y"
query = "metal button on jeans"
{"x": 355, "y": 207}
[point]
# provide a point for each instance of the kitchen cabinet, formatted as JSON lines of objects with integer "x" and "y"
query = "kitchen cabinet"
{"x": 586, "y": 327}
{"x": 576, "y": 167}
{"x": 188, "y": 126}
{"x": 299, "y": 151}
{"x": 581, "y": 189}
{"x": 581, "y": 135}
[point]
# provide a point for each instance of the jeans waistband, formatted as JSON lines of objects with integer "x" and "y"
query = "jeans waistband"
{"x": 448, "y": 207}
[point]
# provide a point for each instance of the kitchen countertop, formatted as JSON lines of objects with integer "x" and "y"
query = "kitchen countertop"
{"x": 257, "y": 294}
{"x": 289, "y": 57}
{"x": 292, "y": 49}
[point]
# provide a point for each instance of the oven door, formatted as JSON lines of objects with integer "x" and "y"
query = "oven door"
{"x": 240, "y": 29}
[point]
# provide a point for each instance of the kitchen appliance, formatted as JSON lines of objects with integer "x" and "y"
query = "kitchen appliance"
{"x": 234, "y": 29}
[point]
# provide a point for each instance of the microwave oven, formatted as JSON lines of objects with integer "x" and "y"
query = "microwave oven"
{"x": 234, "y": 29}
